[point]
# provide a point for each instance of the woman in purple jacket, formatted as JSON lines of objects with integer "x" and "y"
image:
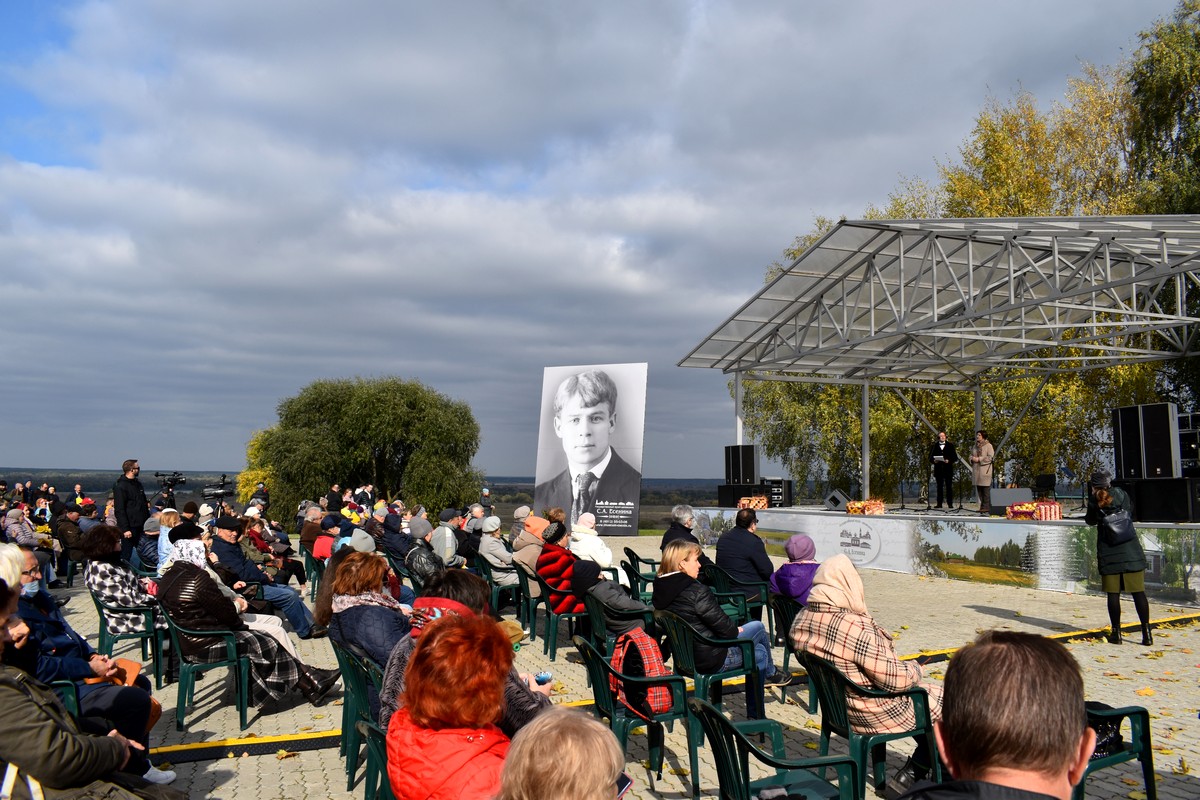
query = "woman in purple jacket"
{"x": 795, "y": 577}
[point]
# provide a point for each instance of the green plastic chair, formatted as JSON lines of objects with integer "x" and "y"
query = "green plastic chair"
{"x": 356, "y": 707}
{"x": 401, "y": 571}
{"x": 550, "y": 638}
{"x": 732, "y": 750}
{"x": 150, "y": 637}
{"x": 378, "y": 784}
{"x": 708, "y": 686}
{"x": 188, "y": 670}
{"x": 69, "y": 693}
{"x": 599, "y": 612}
{"x": 641, "y": 572}
{"x": 489, "y": 572}
{"x": 531, "y": 603}
{"x": 622, "y": 720}
{"x": 784, "y": 609}
{"x": 1138, "y": 747}
{"x": 832, "y": 690}
{"x": 314, "y": 572}
{"x": 724, "y": 583}
{"x": 141, "y": 573}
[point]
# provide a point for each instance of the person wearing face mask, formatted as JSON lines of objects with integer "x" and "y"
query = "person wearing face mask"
{"x": 44, "y": 751}
{"x": 63, "y": 654}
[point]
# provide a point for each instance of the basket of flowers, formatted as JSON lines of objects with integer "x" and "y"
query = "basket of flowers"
{"x": 873, "y": 507}
{"x": 1021, "y": 511}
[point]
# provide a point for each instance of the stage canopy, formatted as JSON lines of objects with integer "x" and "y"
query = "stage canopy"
{"x": 956, "y": 303}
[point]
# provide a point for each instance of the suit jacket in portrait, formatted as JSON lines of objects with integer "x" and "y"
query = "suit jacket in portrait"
{"x": 619, "y": 483}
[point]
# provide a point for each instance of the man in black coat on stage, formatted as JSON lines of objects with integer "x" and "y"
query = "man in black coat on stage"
{"x": 943, "y": 457}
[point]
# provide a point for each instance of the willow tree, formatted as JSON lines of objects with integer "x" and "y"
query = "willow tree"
{"x": 403, "y": 437}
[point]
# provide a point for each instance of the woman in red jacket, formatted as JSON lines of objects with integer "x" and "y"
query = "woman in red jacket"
{"x": 444, "y": 744}
{"x": 556, "y": 565}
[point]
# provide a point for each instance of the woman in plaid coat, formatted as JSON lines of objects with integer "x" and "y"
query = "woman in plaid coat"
{"x": 836, "y": 626}
{"x": 114, "y": 583}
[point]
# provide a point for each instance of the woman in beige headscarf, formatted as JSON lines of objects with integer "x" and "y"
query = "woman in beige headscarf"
{"x": 836, "y": 626}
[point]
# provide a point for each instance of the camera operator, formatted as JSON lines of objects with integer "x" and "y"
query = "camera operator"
{"x": 131, "y": 507}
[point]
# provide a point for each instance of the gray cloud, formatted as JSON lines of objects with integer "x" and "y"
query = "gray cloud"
{"x": 248, "y": 197}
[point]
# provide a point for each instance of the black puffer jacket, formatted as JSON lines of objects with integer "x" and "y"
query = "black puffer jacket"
{"x": 696, "y": 604}
{"x": 422, "y": 563}
{"x": 193, "y": 600}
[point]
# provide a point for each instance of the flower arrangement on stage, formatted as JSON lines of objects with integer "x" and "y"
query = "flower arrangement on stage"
{"x": 873, "y": 507}
{"x": 1021, "y": 511}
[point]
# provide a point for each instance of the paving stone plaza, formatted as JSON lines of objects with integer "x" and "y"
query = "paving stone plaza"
{"x": 925, "y": 614}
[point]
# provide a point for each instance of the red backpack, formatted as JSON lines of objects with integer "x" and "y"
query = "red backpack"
{"x": 637, "y": 655}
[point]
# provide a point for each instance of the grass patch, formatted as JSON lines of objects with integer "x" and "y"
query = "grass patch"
{"x": 984, "y": 573}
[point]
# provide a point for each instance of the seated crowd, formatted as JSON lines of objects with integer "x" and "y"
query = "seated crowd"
{"x": 461, "y": 720}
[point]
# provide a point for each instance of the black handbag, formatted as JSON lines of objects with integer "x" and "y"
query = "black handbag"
{"x": 1115, "y": 527}
{"x": 1108, "y": 730}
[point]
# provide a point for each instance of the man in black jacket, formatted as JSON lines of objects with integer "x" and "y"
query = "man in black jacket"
{"x": 333, "y": 500}
{"x": 1013, "y": 723}
{"x": 943, "y": 457}
{"x": 131, "y": 506}
{"x": 742, "y": 554}
{"x": 683, "y": 519}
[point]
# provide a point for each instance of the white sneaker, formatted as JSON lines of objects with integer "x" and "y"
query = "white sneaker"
{"x": 155, "y": 775}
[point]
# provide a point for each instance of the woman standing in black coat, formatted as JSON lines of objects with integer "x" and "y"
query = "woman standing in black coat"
{"x": 1122, "y": 565}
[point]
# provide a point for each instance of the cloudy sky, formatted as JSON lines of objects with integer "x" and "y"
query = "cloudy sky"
{"x": 205, "y": 206}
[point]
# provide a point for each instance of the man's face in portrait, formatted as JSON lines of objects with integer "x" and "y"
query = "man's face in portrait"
{"x": 584, "y": 431}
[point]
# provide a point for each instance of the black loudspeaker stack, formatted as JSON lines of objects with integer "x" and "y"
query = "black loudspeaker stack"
{"x": 741, "y": 464}
{"x": 1146, "y": 441}
{"x": 1164, "y": 499}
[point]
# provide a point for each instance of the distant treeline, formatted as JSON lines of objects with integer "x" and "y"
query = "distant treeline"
{"x": 518, "y": 491}
{"x": 98, "y": 484}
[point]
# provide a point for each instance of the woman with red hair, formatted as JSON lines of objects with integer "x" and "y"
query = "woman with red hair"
{"x": 443, "y": 744}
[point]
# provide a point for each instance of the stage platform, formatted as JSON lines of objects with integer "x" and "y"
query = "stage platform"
{"x": 909, "y": 540}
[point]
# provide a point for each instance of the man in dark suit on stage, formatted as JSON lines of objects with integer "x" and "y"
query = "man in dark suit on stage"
{"x": 596, "y": 479}
{"x": 943, "y": 457}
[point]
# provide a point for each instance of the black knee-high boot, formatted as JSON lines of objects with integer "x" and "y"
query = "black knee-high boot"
{"x": 1142, "y": 606}
{"x": 1114, "y": 617}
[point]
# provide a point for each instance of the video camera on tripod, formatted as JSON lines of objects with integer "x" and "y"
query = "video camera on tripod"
{"x": 217, "y": 491}
{"x": 169, "y": 480}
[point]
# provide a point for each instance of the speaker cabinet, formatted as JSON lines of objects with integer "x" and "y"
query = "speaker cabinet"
{"x": 836, "y": 500}
{"x": 741, "y": 463}
{"x": 1160, "y": 441}
{"x": 1146, "y": 441}
{"x": 1189, "y": 445}
{"x": 1127, "y": 442}
{"x": 778, "y": 492}
{"x": 1167, "y": 500}
{"x": 1001, "y": 499}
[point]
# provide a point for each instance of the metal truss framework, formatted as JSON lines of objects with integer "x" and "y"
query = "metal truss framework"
{"x": 957, "y": 303}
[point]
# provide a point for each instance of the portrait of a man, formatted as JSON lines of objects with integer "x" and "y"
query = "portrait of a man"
{"x": 586, "y": 412}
